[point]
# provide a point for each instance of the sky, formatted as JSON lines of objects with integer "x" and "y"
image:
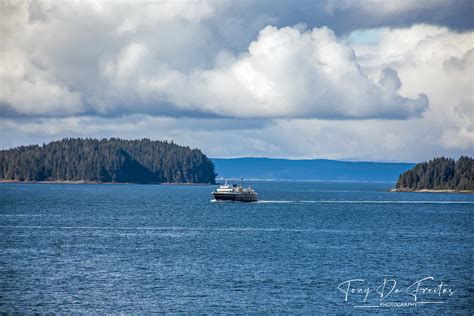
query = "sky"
{"x": 373, "y": 80}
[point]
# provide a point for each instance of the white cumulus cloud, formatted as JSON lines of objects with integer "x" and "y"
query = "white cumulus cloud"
{"x": 435, "y": 61}
{"x": 291, "y": 73}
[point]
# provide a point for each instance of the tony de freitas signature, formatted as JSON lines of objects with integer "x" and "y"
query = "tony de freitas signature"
{"x": 389, "y": 288}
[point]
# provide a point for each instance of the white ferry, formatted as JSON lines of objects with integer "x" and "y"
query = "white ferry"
{"x": 235, "y": 192}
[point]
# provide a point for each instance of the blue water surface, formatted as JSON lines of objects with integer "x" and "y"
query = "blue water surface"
{"x": 69, "y": 248}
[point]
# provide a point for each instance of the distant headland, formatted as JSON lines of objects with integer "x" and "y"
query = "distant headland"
{"x": 309, "y": 169}
{"x": 439, "y": 175}
{"x": 77, "y": 160}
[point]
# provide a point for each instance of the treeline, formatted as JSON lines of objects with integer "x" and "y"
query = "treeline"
{"x": 107, "y": 160}
{"x": 439, "y": 174}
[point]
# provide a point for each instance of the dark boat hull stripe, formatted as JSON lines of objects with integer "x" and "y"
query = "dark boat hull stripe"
{"x": 235, "y": 197}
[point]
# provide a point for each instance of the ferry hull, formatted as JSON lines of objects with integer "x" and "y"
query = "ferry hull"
{"x": 235, "y": 197}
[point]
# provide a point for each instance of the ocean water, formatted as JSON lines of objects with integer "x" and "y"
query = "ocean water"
{"x": 157, "y": 248}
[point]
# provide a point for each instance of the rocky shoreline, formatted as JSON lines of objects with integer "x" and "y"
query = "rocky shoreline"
{"x": 96, "y": 182}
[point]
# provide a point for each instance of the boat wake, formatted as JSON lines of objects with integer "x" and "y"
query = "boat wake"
{"x": 361, "y": 202}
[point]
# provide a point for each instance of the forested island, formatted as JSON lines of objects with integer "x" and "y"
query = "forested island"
{"x": 439, "y": 174}
{"x": 106, "y": 160}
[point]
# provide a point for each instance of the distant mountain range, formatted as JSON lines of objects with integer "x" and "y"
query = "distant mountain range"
{"x": 315, "y": 169}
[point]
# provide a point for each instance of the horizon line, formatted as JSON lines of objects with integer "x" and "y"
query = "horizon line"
{"x": 313, "y": 159}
